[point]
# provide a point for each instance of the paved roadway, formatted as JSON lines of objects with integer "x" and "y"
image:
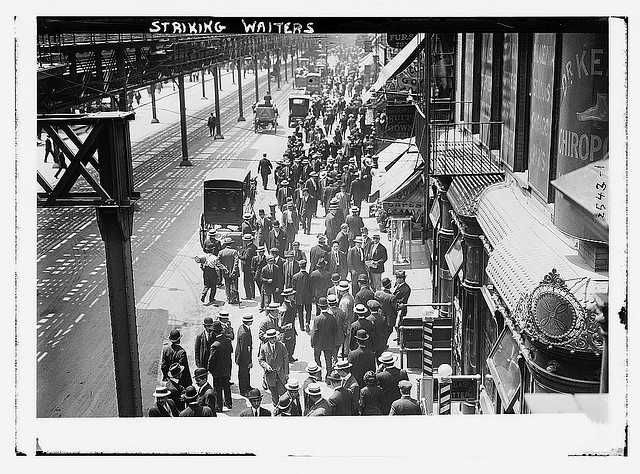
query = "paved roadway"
{"x": 75, "y": 375}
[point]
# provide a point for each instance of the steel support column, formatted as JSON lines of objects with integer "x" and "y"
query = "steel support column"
{"x": 278, "y": 64}
{"x": 240, "y": 106}
{"x": 216, "y": 82}
{"x": 154, "y": 117}
{"x": 183, "y": 123}
{"x": 269, "y": 73}
{"x": 255, "y": 75}
{"x": 122, "y": 76}
{"x": 204, "y": 92}
{"x": 115, "y": 223}
{"x": 285, "y": 65}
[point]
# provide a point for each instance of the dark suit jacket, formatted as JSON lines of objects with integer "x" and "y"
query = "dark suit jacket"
{"x": 196, "y": 410}
{"x": 332, "y": 225}
{"x": 358, "y": 324}
{"x": 272, "y": 273}
{"x": 342, "y": 402}
{"x": 246, "y": 256}
{"x": 355, "y": 224}
{"x": 388, "y": 307}
{"x": 405, "y": 406}
{"x": 301, "y": 284}
{"x": 288, "y": 270}
{"x": 320, "y": 408}
{"x": 156, "y": 411}
{"x": 220, "y": 358}
{"x": 343, "y": 241}
{"x": 323, "y": 333}
{"x": 362, "y": 361}
{"x": 339, "y": 266}
{"x": 278, "y": 241}
{"x": 207, "y": 397}
{"x": 172, "y": 353}
{"x": 263, "y": 229}
{"x": 380, "y": 256}
{"x": 257, "y": 264}
{"x": 244, "y": 346}
{"x": 364, "y": 295}
{"x": 315, "y": 254}
{"x": 249, "y": 412}
{"x": 176, "y": 391}
{"x": 388, "y": 380}
{"x": 320, "y": 281}
{"x": 202, "y": 348}
{"x": 402, "y": 294}
{"x": 265, "y": 326}
{"x": 355, "y": 263}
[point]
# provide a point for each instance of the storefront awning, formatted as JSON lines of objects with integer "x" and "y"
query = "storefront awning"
{"x": 412, "y": 203}
{"x": 582, "y": 204}
{"x": 465, "y": 191}
{"x": 525, "y": 248}
{"x": 400, "y": 175}
{"x": 398, "y": 64}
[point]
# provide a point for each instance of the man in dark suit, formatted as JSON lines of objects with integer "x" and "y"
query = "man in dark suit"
{"x": 255, "y": 398}
{"x": 203, "y": 343}
{"x": 220, "y": 366}
{"x": 288, "y": 318}
{"x": 193, "y": 408}
{"x": 364, "y": 293}
{"x": 388, "y": 377}
{"x": 264, "y": 227}
{"x": 305, "y": 209}
{"x": 337, "y": 261}
{"x": 341, "y": 400}
{"x": 290, "y": 268}
{"x": 323, "y": 335}
{"x": 318, "y": 406}
{"x": 355, "y": 263}
{"x": 277, "y": 238}
{"x": 377, "y": 258}
{"x": 405, "y": 405}
{"x": 362, "y": 359}
{"x": 318, "y": 251}
{"x": 274, "y": 360}
{"x": 264, "y": 168}
{"x": 258, "y": 262}
{"x": 320, "y": 281}
{"x": 278, "y": 261}
{"x": 402, "y": 292}
{"x": 332, "y": 221}
{"x": 388, "y": 306}
{"x": 246, "y": 254}
{"x": 367, "y": 242}
{"x": 270, "y": 279}
{"x": 344, "y": 202}
{"x": 354, "y": 223}
{"x": 244, "y": 347}
{"x": 298, "y": 255}
{"x": 362, "y": 322}
{"x": 163, "y": 406}
{"x": 176, "y": 390}
{"x": 172, "y": 353}
{"x": 206, "y": 394}
{"x": 272, "y": 322}
{"x": 350, "y": 383}
{"x": 314, "y": 191}
{"x": 343, "y": 238}
{"x": 378, "y": 340}
{"x": 293, "y": 392}
{"x": 284, "y": 192}
{"x": 303, "y": 295}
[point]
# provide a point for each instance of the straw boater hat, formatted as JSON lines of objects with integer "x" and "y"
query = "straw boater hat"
{"x": 344, "y": 285}
{"x": 292, "y": 385}
{"x": 175, "y": 370}
{"x": 363, "y": 278}
{"x": 313, "y": 389}
{"x": 313, "y": 368}
{"x": 247, "y": 318}
{"x": 200, "y": 372}
{"x": 247, "y": 237}
{"x": 343, "y": 364}
{"x": 332, "y": 299}
{"x": 223, "y": 315}
{"x": 271, "y": 333}
{"x": 288, "y": 292}
{"x": 161, "y": 392}
{"x": 246, "y": 215}
{"x": 387, "y": 358}
{"x": 360, "y": 309}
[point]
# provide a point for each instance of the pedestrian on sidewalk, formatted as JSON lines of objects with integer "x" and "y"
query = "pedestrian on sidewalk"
{"x": 264, "y": 169}
{"x": 323, "y": 335}
{"x": 350, "y": 383}
{"x": 175, "y": 353}
{"x": 48, "y": 149}
{"x": 274, "y": 360}
{"x": 341, "y": 400}
{"x": 163, "y": 406}
{"x": 255, "y": 398}
{"x": 244, "y": 349}
{"x": 318, "y": 251}
{"x": 193, "y": 408}
{"x": 229, "y": 259}
{"x": 378, "y": 340}
{"x": 370, "y": 395}
{"x": 402, "y": 292}
{"x": 341, "y": 321}
{"x": 246, "y": 254}
{"x": 176, "y": 389}
{"x": 211, "y": 123}
{"x": 288, "y": 319}
{"x": 284, "y": 406}
{"x": 293, "y": 392}
{"x": 258, "y": 262}
{"x": 203, "y": 343}
{"x": 388, "y": 377}
{"x": 220, "y": 367}
{"x": 206, "y": 393}
{"x": 270, "y": 277}
{"x": 227, "y": 329}
{"x": 362, "y": 359}
{"x": 405, "y": 405}
{"x": 211, "y": 268}
{"x": 301, "y": 284}
{"x": 318, "y": 405}
{"x": 355, "y": 264}
{"x": 388, "y": 307}
{"x": 364, "y": 293}
{"x": 375, "y": 261}
{"x": 362, "y": 322}
{"x": 61, "y": 161}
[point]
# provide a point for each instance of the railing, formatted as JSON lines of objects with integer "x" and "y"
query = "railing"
{"x": 455, "y": 150}
{"x": 446, "y": 109}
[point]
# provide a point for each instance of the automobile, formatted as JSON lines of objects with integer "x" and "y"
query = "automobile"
{"x": 314, "y": 83}
{"x": 229, "y": 193}
{"x": 265, "y": 117}
{"x": 298, "y": 108}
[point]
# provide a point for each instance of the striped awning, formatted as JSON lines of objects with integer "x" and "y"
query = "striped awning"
{"x": 465, "y": 191}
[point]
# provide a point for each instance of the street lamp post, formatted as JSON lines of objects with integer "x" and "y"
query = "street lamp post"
{"x": 240, "y": 107}
{"x": 216, "y": 80}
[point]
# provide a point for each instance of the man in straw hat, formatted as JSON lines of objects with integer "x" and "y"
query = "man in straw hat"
{"x": 163, "y": 406}
{"x": 388, "y": 378}
{"x": 255, "y": 398}
{"x": 229, "y": 259}
{"x": 315, "y": 376}
{"x": 341, "y": 400}
{"x": 172, "y": 353}
{"x": 293, "y": 392}
{"x": 211, "y": 271}
{"x": 349, "y": 382}
{"x": 362, "y": 322}
{"x": 192, "y": 408}
{"x": 273, "y": 358}
{"x": 318, "y": 405}
{"x": 258, "y": 262}
{"x": 246, "y": 254}
{"x": 288, "y": 319}
{"x": 243, "y": 354}
{"x": 355, "y": 263}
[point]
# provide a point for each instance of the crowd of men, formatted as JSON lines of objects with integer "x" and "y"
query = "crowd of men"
{"x": 336, "y": 293}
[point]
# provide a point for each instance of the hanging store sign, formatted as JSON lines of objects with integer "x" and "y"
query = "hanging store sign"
{"x": 397, "y": 207}
{"x": 541, "y": 115}
{"x": 400, "y": 120}
{"x": 464, "y": 388}
{"x": 399, "y": 40}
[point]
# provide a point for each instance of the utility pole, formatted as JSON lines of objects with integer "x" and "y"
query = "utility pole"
{"x": 154, "y": 118}
{"x": 183, "y": 123}
{"x": 216, "y": 81}
{"x": 240, "y": 107}
{"x": 204, "y": 95}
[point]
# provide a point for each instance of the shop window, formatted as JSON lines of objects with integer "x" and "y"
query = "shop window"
{"x": 504, "y": 368}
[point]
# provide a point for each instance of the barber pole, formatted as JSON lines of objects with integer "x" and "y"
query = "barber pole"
{"x": 427, "y": 347}
{"x": 444, "y": 389}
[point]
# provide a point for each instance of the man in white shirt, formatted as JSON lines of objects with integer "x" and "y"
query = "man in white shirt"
{"x": 255, "y": 398}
